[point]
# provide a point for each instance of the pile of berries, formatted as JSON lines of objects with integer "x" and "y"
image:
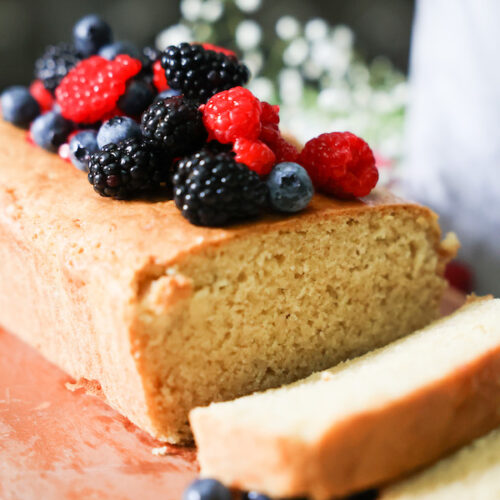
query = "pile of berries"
{"x": 178, "y": 122}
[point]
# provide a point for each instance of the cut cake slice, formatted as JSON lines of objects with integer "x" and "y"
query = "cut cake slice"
{"x": 366, "y": 421}
{"x": 165, "y": 316}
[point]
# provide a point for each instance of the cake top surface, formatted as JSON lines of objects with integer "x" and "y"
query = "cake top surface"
{"x": 39, "y": 188}
{"x": 308, "y": 408}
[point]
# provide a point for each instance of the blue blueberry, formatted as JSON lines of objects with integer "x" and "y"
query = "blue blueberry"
{"x": 117, "y": 129}
{"x": 167, "y": 93}
{"x": 290, "y": 187}
{"x": 253, "y": 495}
{"x": 50, "y": 130}
{"x": 206, "y": 489}
{"x": 111, "y": 50}
{"x": 18, "y": 106}
{"x": 91, "y": 33}
{"x": 81, "y": 147}
{"x": 138, "y": 96}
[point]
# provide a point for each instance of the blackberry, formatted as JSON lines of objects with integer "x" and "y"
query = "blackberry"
{"x": 174, "y": 125}
{"x": 55, "y": 64}
{"x": 149, "y": 56}
{"x": 199, "y": 73}
{"x": 214, "y": 190}
{"x": 127, "y": 169}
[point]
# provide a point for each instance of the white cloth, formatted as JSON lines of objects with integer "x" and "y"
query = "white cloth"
{"x": 453, "y": 126}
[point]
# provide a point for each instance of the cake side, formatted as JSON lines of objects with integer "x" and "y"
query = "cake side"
{"x": 361, "y": 424}
{"x": 100, "y": 287}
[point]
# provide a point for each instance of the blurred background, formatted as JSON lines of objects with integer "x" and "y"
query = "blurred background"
{"x": 417, "y": 80}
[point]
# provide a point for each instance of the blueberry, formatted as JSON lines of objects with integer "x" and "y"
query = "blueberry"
{"x": 167, "y": 93}
{"x": 253, "y": 495}
{"x": 111, "y": 50}
{"x": 117, "y": 129}
{"x": 81, "y": 147}
{"x": 18, "y": 106}
{"x": 206, "y": 489}
{"x": 138, "y": 96}
{"x": 90, "y": 33}
{"x": 290, "y": 187}
{"x": 50, "y": 130}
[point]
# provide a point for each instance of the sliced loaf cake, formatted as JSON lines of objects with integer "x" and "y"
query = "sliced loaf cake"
{"x": 366, "y": 421}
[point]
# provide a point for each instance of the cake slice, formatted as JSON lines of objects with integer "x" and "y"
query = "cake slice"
{"x": 165, "y": 316}
{"x": 472, "y": 473}
{"x": 365, "y": 422}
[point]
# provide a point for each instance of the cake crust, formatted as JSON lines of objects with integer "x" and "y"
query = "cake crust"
{"x": 75, "y": 266}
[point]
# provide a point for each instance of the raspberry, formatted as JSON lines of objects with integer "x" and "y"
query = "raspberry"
{"x": 159, "y": 78}
{"x": 283, "y": 150}
{"x": 341, "y": 164}
{"x": 216, "y": 48}
{"x": 90, "y": 91}
{"x": 212, "y": 189}
{"x": 199, "y": 73}
{"x": 459, "y": 276}
{"x": 270, "y": 114}
{"x": 42, "y": 96}
{"x": 255, "y": 155}
{"x": 232, "y": 114}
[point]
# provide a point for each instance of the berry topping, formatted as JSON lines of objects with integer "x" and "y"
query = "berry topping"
{"x": 127, "y": 169}
{"x": 216, "y": 48}
{"x": 340, "y": 163}
{"x": 213, "y": 189}
{"x": 174, "y": 125}
{"x": 91, "y": 33}
{"x": 117, "y": 129}
{"x": 149, "y": 56}
{"x": 81, "y": 146}
{"x": 90, "y": 91}
{"x": 199, "y": 73}
{"x": 138, "y": 96}
{"x": 50, "y": 130}
{"x": 255, "y": 155}
{"x": 159, "y": 78}
{"x": 111, "y": 50}
{"x": 42, "y": 96}
{"x": 459, "y": 276}
{"x": 232, "y": 114}
{"x": 290, "y": 187}
{"x": 166, "y": 94}
{"x": 206, "y": 489}
{"x": 55, "y": 63}
{"x": 270, "y": 114}
{"x": 19, "y": 106}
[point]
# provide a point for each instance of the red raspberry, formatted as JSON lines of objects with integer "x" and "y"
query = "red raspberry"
{"x": 340, "y": 163}
{"x": 232, "y": 114}
{"x": 90, "y": 91}
{"x": 459, "y": 276}
{"x": 270, "y": 114}
{"x": 42, "y": 96}
{"x": 159, "y": 78}
{"x": 216, "y": 48}
{"x": 284, "y": 151}
{"x": 255, "y": 155}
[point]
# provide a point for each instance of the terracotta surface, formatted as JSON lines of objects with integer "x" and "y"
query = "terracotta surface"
{"x": 57, "y": 444}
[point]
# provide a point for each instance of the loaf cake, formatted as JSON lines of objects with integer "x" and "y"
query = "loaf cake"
{"x": 366, "y": 421}
{"x": 166, "y": 316}
{"x": 472, "y": 473}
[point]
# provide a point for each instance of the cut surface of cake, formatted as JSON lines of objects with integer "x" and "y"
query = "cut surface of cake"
{"x": 366, "y": 421}
{"x": 471, "y": 473}
{"x": 166, "y": 316}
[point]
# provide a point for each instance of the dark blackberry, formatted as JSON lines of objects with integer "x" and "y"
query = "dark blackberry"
{"x": 174, "y": 125}
{"x": 55, "y": 64}
{"x": 127, "y": 169}
{"x": 149, "y": 56}
{"x": 213, "y": 190}
{"x": 199, "y": 73}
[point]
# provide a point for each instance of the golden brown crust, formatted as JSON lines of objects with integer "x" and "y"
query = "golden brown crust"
{"x": 73, "y": 265}
{"x": 366, "y": 451}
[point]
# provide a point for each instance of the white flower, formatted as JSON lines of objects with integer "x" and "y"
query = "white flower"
{"x": 212, "y": 10}
{"x": 174, "y": 35}
{"x": 316, "y": 29}
{"x": 254, "y": 61}
{"x": 248, "y": 34}
{"x": 191, "y": 9}
{"x": 262, "y": 87}
{"x": 296, "y": 53}
{"x": 291, "y": 86}
{"x": 287, "y": 27}
{"x": 343, "y": 36}
{"x": 334, "y": 99}
{"x": 311, "y": 69}
{"x": 248, "y": 5}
